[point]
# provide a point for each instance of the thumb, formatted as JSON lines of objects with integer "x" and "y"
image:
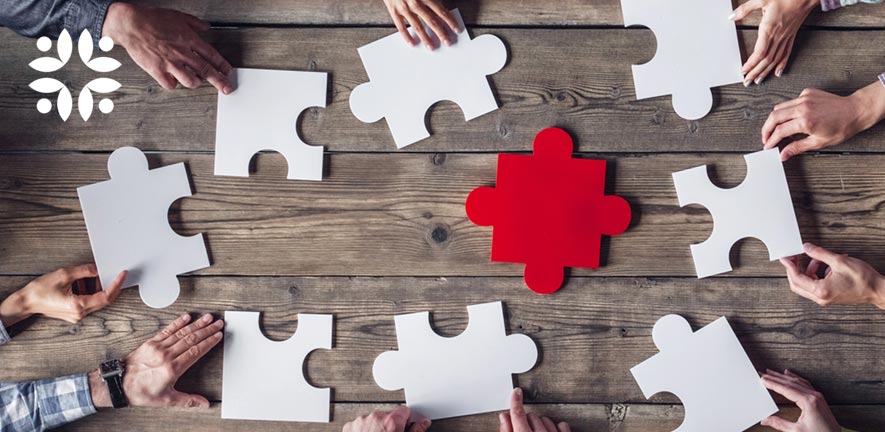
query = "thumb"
{"x": 743, "y": 10}
{"x": 777, "y": 423}
{"x": 399, "y": 417}
{"x": 113, "y": 291}
{"x": 827, "y": 257}
{"x": 797, "y": 147}
{"x": 420, "y": 426}
{"x": 184, "y": 400}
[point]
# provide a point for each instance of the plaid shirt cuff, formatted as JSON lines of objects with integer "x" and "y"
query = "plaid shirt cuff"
{"x": 4, "y": 336}
{"x": 829, "y": 5}
{"x": 881, "y": 79}
{"x": 63, "y": 400}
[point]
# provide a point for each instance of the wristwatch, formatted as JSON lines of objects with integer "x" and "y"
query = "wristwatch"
{"x": 112, "y": 374}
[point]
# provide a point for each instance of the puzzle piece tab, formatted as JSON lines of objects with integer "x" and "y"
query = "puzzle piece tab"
{"x": 128, "y": 225}
{"x": 405, "y": 81}
{"x": 697, "y": 49}
{"x": 709, "y": 372}
{"x": 264, "y": 379}
{"x": 549, "y": 211}
{"x": 462, "y": 375}
{"x": 262, "y": 114}
{"x": 760, "y": 207}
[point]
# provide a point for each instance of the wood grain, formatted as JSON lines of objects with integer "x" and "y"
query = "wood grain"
{"x": 582, "y": 418}
{"x": 403, "y": 214}
{"x": 487, "y": 13}
{"x": 555, "y": 77}
{"x": 589, "y": 334}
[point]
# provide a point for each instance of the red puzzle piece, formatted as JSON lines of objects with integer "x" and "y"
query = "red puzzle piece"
{"x": 549, "y": 211}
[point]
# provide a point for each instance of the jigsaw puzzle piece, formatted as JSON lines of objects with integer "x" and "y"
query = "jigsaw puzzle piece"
{"x": 760, "y": 207}
{"x": 549, "y": 211}
{"x": 264, "y": 379}
{"x": 399, "y": 74}
{"x": 128, "y": 225}
{"x": 450, "y": 377}
{"x": 708, "y": 371}
{"x": 262, "y": 114}
{"x": 697, "y": 49}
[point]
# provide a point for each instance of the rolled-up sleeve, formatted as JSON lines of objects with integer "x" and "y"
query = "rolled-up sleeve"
{"x": 828, "y": 5}
{"x": 36, "y": 406}
{"x": 4, "y": 335}
{"x": 35, "y": 18}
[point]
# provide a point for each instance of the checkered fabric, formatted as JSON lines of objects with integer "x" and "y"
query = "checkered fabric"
{"x": 45, "y": 404}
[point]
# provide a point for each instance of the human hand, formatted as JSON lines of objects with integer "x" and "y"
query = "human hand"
{"x": 816, "y": 415}
{"x": 826, "y": 118}
{"x": 846, "y": 280}
{"x": 419, "y": 12}
{"x": 386, "y": 421}
{"x": 518, "y": 421}
{"x": 152, "y": 370}
{"x": 167, "y": 45}
{"x": 63, "y": 294}
{"x": 781, "y": 20}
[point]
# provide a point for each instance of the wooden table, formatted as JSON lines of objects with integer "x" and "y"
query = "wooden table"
{"x": 385, "y": 232}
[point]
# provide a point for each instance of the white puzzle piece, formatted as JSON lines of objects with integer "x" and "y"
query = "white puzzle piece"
{"x": 697, "y": 50}
{"x": 709, "y": 372}
{"x": 405, "y": 81}
{"x": 262, "y": 114}
{"x": 462, "y": 375}
{"x": 760, "y": 207}
{"x": 264, "y": 379}
{"x": 128, "y": 225}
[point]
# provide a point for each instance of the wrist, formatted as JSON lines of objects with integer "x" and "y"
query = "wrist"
{"x": 870, "y": 103}
{"x": 116, "y": 22}
{"x": 99, "y": 390}
{"x": 17, "y": 307}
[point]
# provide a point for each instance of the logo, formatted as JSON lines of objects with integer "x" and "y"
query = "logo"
{"x": 64, "y": 102}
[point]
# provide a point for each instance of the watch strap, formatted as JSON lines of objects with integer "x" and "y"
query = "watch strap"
{"x": 115, "y": 389}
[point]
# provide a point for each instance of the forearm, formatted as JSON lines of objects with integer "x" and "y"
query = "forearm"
{"x": 98, "y": 390}
{"x": 34, "y": 18}
{"x": 14, "y": 308}
{"x": 871, "y": 103}
{"x": 36, "y": 406}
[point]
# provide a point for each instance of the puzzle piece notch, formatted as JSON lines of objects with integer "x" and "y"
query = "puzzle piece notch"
{"x": 697, "y": 49}
{"x": 262, "y": 114}
{"x": 760, "y": 207}
{"x": 458, "y": 73}
{"x": 264, "y": 379}
{"x": 128, "y": 226}
{"x": 571, "y": 180}
{"x": 470, "y": 373}
{"x": 708, "y": 371}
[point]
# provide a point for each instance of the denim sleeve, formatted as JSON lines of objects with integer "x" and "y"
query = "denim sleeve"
{"x": 828, "y": 5}
{"x": 34, "y": 18}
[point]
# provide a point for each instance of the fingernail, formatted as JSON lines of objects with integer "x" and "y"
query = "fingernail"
{"x": 227, "y": 89}
{"x": 746, "y": 83}
{"x": 425, "y": 423}
{"x": 186, "y": 317}
{"x": 778, "y": 73}
{"x": 217, "y": 335}
{"x": 807, "y": 247}
{"x": 207, "y": 317}
{"x": 731, "y": 17}
{"x": 758, "y": 80}
{"x": 501, "y": 418}
{"x": 518, "y": 393}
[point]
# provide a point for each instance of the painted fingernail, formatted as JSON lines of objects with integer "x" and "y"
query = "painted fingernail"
{"x": 746, "y": 83}
{"x": 731, "y": 17}
{"x": 778, "y": 73}
{"x": 758, "y": 80}
{"x": 207, "y": 317}
{"x": 186, "y": 317}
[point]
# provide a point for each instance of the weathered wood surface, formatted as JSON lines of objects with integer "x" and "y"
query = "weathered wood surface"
{"x": 582, "y": 417}
{"x": 489, "y": 13}
{"x": 579, "y": 79}
{"x": 403, "y": 214}
{"x": 589, "y": 334}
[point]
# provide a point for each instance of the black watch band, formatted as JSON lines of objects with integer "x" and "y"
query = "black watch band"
{"x": 112, "y": 374}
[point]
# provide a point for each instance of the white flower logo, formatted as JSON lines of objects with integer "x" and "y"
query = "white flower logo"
{"x": 63, "y": 102}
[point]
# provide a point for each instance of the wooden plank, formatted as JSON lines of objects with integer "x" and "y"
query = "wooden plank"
{"x": 584, "y": 418}
{"x": 588, "y": 334}
{"x": 489, "y": 13}
{"x": 555, "y": 77}
{"x": 403, "y": 214}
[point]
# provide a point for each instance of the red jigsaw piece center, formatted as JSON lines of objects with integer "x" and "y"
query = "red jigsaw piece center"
{"x": 548, "y": 210}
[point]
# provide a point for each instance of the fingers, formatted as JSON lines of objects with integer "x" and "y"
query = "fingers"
{"x": 184, "y": 400}
{"x": 774, "y": 60}
{"x": 400, "y": 24}
{"x": 397, "y": 419}
{"x": 185, "y": 75}
{"x": 778, "y": 423}
{"x": 184, "y": 332}
{"x": 444, "y": 14}
{"x": 173, "y": 327}
{"x": 563, "y": 427}
{"x": 195, "y": 338}
{"x": 420, "y": 426}
{"x": 781, "y": 387}
{"x": 70, "y": 274}
{"x": 745, "y": 9}
{"x": 782, "y": 64}
{"x": 763, "y": 41}
{"x": 766, "y": 62}
{"x": 548, "y": 424}
{"x": 187, "y": 359}
{"x": 812, "y": 269}
{"x": 798, "y": 147}
{"x": 430, "y": 19}
{"x": 220, "y": 68}
{"x": 783, "y": 131}
{"x": 100, "y": 299}
{"x": 518, "y": 417}
{"x": 800, "y": 283}
{"x": 829, "y": 258}
{"x": 536, "y": 423}
{"x": 506, "y": 425}
{"x": 418, "y": 27}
